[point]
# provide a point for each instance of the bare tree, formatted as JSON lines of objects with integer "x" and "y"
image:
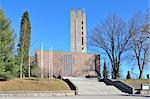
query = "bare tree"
{"x": 146, "y": 26}
{"x": 112, "y": 37}
{"x": 139, "y": 26}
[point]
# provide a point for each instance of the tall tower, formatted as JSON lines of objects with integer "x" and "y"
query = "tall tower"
{"x": 77, "y": 31}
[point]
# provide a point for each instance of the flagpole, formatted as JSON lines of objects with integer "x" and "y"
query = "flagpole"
{"x": 49, "y": 64}
{"x": 41, "y": 60}
{"x": 51, "y": 61}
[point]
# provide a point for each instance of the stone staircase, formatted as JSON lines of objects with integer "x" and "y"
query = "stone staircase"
{"x": 91, "y": 86}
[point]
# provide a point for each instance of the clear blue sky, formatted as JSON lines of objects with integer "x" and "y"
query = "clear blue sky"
{"x": 50, "y": 18}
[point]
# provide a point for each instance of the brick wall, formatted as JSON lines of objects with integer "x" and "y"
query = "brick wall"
{"x": 66, "y": 63}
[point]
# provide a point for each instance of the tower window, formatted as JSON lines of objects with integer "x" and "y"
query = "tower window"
{"x": 82, "y": 27}
{"x": 82, "y": 48}
{"x": 82, "y": 32}
{"x": 82, "y": 22}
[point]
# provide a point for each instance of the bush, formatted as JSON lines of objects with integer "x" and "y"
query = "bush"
{"x": 5, "y": 76}
{"x": 59, "y": 77}
{"x": 36, "y": 72}
{"x": 87, "y": 76}
{"x": 128, "y": 75}
{"x": 147, "y": 76}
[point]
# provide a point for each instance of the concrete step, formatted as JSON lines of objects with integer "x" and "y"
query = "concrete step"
{"x": 90, "y": 86}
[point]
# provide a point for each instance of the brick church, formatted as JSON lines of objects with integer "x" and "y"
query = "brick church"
{"x": 75, "y": 63}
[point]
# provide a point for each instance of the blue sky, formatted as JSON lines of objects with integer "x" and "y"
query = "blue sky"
{"x": 50, "y": 18}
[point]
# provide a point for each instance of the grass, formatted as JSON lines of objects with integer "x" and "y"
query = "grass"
{"x": 34, "y": 84}
{"x": 136, "y": 83}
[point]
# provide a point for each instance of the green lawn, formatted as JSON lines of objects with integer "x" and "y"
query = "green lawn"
{"x": 33, "y": 84}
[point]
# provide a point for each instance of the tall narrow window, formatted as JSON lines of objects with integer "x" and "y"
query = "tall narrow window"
{"x": 82, "y": 22}
{"x": 82, "y": 32}
{"x": 82, "y": 40}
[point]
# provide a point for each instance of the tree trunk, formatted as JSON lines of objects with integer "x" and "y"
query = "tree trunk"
{"x": 116, "y": 75}
{"x": 115, "y": 72}
{"x": 140, "y": 76}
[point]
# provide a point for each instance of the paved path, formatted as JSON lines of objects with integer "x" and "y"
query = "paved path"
{"x": 91, "y": 86}
{"x": 81, "y": 97}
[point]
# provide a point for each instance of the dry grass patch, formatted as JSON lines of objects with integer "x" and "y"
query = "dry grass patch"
{"x": 136, "y": 83}
{"x": 34, "y": 84}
